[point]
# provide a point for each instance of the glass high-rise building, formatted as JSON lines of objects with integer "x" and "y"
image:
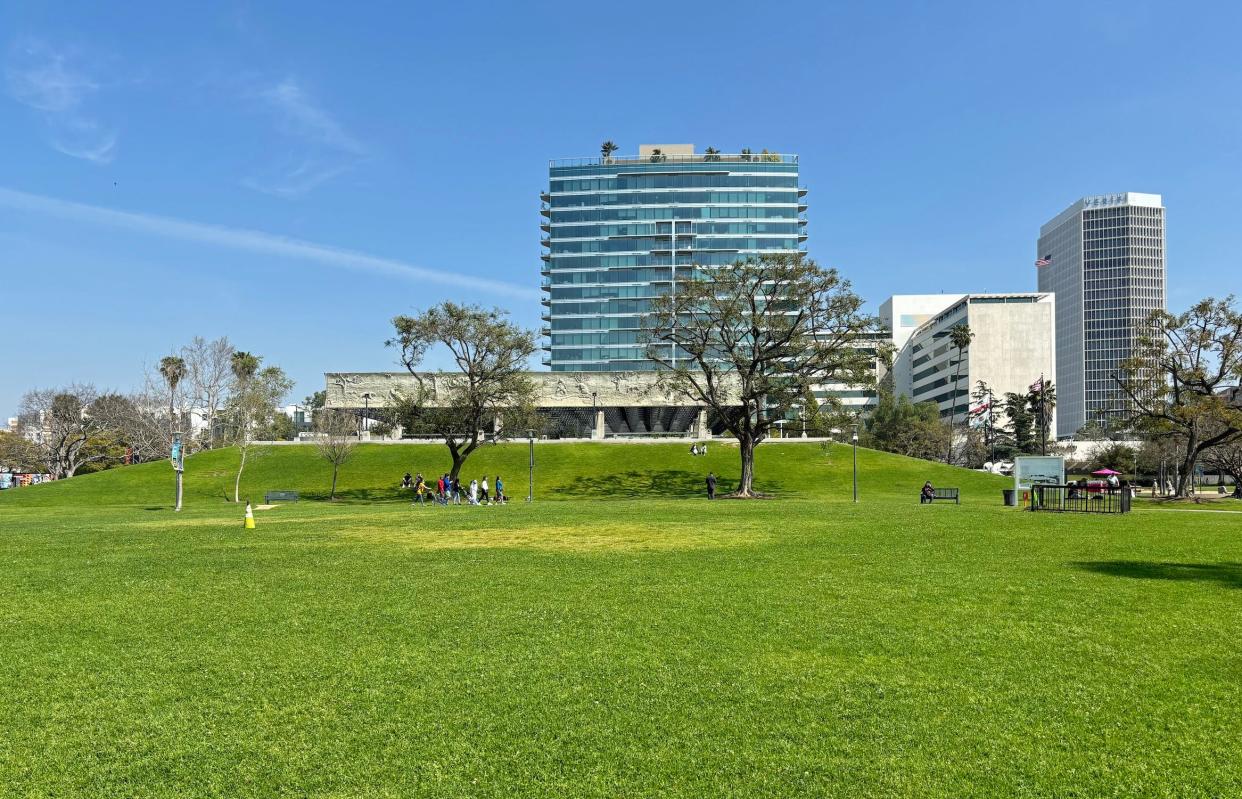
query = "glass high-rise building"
{"x": 1103, "y": 257}
{"x": 621, "y": 230}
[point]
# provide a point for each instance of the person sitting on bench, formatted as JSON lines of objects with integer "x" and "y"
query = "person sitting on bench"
{"x": 927, "y": 494}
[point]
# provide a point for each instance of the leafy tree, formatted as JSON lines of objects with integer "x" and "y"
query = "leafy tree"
{"x": 1181, "y": 380}
{"x": 812, "y": 419}
{"x": 657, "y": 155}
{"x": 490, "y": 383}
{"x": 1227, "y": 459}
{"x": 711, "y": 154}
{"x": 984, "y": 407}
{"x": 17, "y": 454}
{"x": 61, "y": 424}
{"x": 898, "y": 425}
{"x": 256, "y": 393}
{"x": 745, "y": 339}
{"x": 279, "y": 427}
{"x": 959, "y": 337}
{"x": 607, "y": 149}
{"x": 336, "y": 442}
{"x": 1021, "y": 422}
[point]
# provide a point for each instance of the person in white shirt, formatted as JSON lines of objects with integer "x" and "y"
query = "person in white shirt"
{"x": 474, "y": 492}
{"x": 483, "y": 485}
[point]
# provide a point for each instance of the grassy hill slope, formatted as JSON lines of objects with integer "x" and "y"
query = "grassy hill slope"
{"x": 562, "y": 472}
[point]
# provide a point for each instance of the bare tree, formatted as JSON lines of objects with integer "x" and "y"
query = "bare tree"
{"x": 1182, "y": 379}
{"x": 745, "y": 339}
{"x": 210, "y": 372}
{"x": 338, "y": 436}
{"x": 62, "y": 427}
{"x": 490, "y": 383}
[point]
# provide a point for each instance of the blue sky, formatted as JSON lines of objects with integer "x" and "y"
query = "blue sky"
{"x": 292, "y": 176}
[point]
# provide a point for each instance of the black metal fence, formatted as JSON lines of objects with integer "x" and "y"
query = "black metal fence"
{"x": 1078, "y": 499}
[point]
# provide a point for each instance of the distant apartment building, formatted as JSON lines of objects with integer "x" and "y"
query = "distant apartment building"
{"x": 1013, "y": 345}
{"x": 1104, "y": 259}
{"x": 623, "y": 230}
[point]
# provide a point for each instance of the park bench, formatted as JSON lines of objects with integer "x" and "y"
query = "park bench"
{"x": 946, "y": 493}
{"x": 280, "y": 496}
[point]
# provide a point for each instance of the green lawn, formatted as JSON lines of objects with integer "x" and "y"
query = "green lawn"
{"x": 651, "y": 644}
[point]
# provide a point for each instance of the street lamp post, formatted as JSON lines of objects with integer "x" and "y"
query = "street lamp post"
{"x": 854, "y": 427}
{"x": 530, "y": 480}
{"x": 366, "y": 412}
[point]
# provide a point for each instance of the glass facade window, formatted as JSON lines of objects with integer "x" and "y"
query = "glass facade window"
{"x": 620, "y": 232}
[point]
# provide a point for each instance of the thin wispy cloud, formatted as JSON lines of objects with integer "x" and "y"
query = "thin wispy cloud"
{"x": 253, "y": 241}
{"x": 319, "y": 148}
{"x": 59, "y": 84}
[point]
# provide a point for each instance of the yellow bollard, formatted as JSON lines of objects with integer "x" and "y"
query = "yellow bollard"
{"x": 249, "y": 517}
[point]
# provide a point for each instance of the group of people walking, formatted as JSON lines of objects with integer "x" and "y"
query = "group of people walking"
{"x": 446, "y": 490}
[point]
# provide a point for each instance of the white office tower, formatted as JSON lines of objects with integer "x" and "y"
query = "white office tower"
{"x": 1011, "y": 349}
{"x": 1103, "y": 257}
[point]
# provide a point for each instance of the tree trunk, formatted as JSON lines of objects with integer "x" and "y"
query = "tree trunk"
{"x": 1185, "y": 480}
{"x": 335, "y": 468}
{"x": 237, "y": 483}
{"x": 745, "y": 486}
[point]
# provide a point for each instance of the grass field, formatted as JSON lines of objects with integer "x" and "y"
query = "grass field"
{"x": 619, "y": 637}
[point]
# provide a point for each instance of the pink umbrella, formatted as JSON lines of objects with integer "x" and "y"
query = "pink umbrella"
{"x": 1104, "y": 472}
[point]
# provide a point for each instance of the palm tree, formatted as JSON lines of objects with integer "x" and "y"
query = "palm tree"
{"x": 959, "y": 337}
{"x": 657, "y": 155}
{"x": 173, "y": 370}
{"x": 1042, "y": 403}
{"x": 607, "y": 149}
{"x": 745, "y": 153}
{"x": 711, "y": 154}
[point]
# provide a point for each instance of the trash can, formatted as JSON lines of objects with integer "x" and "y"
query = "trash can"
{"x": 1011, "y": 497}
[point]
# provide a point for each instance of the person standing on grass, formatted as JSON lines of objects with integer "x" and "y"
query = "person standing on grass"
{"x": 711, "y": 485}
{"x": 474, "y": 492}
{"x": 500, "y": 491}
{"x": 483, "y": 485}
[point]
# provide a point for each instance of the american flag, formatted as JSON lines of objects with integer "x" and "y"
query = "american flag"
{"x": 1045, "y": 261}
{"x": 1038, "y": 385}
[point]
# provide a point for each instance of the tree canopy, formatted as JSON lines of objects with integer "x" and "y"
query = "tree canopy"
{"x": 747, "y": 339}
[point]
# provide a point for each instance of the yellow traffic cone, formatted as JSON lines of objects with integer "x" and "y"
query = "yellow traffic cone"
{"x": 249, "y": 517}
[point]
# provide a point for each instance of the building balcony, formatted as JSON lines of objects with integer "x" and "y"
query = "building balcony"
{"x": 545, "y": 316}
{"x": 546, "y": 241}
{"x": 546, "y": 360}
{"x": 546, "y": 257}
{"x": 545, "y": 301}
{"x": 545, "y": 225}
{"x": 545, "y": 209}
{"x": 802, "y": 207}
{"x": 802, "y": 220}
{"x": 802, "y": 190}
{"x": 545, "y": 196}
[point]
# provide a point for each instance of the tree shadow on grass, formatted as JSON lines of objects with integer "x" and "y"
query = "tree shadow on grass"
{"x": 633, "y": 484}
{"x": 1227, "y": 574}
